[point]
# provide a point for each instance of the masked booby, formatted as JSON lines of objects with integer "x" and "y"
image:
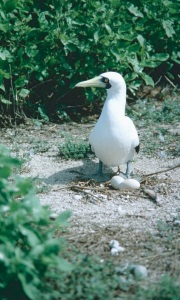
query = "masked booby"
{"x": 114, "y": 138}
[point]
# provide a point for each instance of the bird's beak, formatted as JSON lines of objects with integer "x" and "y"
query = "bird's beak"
{"x": 94, "y": 82}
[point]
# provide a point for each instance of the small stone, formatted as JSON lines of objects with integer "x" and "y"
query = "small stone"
{"x": 120, "y": 249}
{"x": 114, "y": 252}
{"x": 115, "y": 247}
{"x": 161, "y": 137}
{"x": 177, "y": 222}
{"x": 113, "y": 244}
{"x": 77, "y": 197}
{"x": 129, "y": 184}
{"x": 177, "y": 197}
{"x": 152, "y": 194}
{"x": 139, "y": 272}
{"x": 53, "y": 216}
{"x": 121, "y": 210}
{"x": 116, "y": 181}
{"x": 102, "y": 196}
{"x": 31, "y": 152}
{"x": 162, "y": 154}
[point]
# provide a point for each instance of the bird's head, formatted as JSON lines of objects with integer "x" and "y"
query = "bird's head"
{"x": 108, "y": 80}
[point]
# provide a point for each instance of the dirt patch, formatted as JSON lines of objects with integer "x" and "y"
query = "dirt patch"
{"x": 148, "y": 231}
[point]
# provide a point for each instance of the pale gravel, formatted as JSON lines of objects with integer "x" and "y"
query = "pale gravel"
{"x": 118, "y": 210}
{"x": 125, "y": 210}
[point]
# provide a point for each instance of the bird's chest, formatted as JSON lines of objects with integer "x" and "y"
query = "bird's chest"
{"x": 110, "y": 131}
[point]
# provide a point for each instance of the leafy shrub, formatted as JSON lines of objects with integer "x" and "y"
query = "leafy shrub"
{"x": 75, "y": 149}
{"x": 29, "y": 254}
{"x": 48, "y": 47}
{"x": 147, "y": 111}
{"x": 91, "y": 280}
{"x": 167, "y": 289}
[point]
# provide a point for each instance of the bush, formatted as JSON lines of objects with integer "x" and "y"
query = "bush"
{"x": 29, "y": 254}
{"x": 166, "y": 289}
{"x": 48, "y": 47}
{"x": 74, "y": 149}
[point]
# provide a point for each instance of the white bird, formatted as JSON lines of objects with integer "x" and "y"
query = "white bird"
{"x": 114, "y": 138}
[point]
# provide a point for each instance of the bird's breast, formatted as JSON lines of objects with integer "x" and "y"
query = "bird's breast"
{"x": 112, "y": 138}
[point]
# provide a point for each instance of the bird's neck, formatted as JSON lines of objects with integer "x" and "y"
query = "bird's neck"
{"x": 116, "y": 101}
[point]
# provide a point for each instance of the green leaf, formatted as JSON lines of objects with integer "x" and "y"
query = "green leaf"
{"x": 43, "y": 114}
{"x": 3, "y": 27}
{"x": 8, "y": 160}
{"x": 124, "y": 27}
{"x": 141, "y": 40}
{"x": 31, "y": 236}
{"x": 4, "y": 74}
{"x": 148, "y": 80}
{"x": 24, "y": 93}
{"x": 10, "y": 5}
{"x": 160, "y": 56}
{"x": 5, "y": 172}
{"x": 150, "y": 64}
{"x": 64, "y": 265}
{"x": 135, "y": 11}
{"x": 167, "y": 25}
{"x": 29, "y": 288}
{"x": 108, "y": 28}
{"x": 117, "y": 55}
{"x": 2, "y": 87}
{"x": 134, "y": 48}
{"x": 96, "y": 36}
{"x": 37, "y": 251}
{"x": 21, "y": 81}
{"x": 5, "y": 101}
{"x": 24, "y": 185}
{"x": 5, "y": 54}
{"x": 62, "y": 219}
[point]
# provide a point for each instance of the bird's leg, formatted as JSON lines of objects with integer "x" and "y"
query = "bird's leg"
{"x": 99, "y": 176}
{"x": 128, "y": 169}
{"x": 100, "y": 166}
{"x": 117, "y": 172}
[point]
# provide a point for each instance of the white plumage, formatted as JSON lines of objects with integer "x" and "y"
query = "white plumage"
{"x": 114, "y": 138}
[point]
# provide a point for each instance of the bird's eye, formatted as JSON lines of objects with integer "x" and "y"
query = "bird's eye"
{"x": 105, "y": 80}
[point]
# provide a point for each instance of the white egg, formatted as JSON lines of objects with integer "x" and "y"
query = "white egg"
{"x": 129, "y": 184}
{"x": 116, "y": 181}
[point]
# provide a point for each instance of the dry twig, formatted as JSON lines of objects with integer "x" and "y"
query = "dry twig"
{"x": 162, "y": 171}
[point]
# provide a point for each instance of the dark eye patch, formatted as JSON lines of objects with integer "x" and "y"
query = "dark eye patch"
{"x": 106, "y": 81}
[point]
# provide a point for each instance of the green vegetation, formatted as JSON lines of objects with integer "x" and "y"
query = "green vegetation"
{"x": 74, "y": 148}
{"x": 167, "y": 289}
{"x": 48, "y": 47}
{"x": 151, "y": 111}
{"x": 29, "y": 255}
{"x": 35, "y": 264}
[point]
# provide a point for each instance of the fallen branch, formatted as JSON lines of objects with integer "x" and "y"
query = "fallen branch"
{"x": 162, "y": 171}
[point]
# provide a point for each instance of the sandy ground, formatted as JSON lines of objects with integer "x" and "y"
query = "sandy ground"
{"x": 99, "y": 213}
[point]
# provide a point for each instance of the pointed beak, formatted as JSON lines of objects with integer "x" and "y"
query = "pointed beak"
{"x": 94, "y": 82}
